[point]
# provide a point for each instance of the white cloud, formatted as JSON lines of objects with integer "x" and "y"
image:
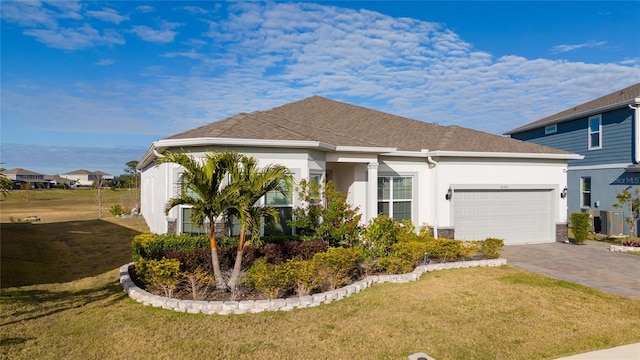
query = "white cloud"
{"x": 75, "y": 38}
{"x": 263, "y": 56}
{"x": 195, "y": 10}
{"x": 163, "y": 35}
{"x": 28, "y": 13}
{"x": 567, "y": 48}
{"x": 108, "y": 15}
{"x": 145, "y": 8}
{"x": 105, "y": 62}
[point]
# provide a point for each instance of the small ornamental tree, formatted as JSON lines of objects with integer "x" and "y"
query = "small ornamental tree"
{"x": 580, "y": 224}
{"x": 340, "y": 222}
{"x": 630, "y": 203}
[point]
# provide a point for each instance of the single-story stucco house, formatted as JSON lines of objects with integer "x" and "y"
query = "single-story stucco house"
{"x": 467, "y": 184}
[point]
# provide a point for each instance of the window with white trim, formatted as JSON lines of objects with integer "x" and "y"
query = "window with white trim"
{"x": 595, "y": 132}
{"x": 283, "y": 203}
{"x": 187, "y": 226}
{"x": 551, "y": 129}
{"x": 585, "y": 192}
{"x": 395, "y": 196}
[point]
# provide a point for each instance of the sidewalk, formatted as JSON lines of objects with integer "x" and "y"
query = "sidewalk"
{"x": 625, "y": 352}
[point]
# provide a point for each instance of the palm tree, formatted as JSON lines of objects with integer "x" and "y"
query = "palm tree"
{"x": 204, "y": 190}
{"x": 249, "y": 184}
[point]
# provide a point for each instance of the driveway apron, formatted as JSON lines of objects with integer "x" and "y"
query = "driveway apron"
{"x": 591, "y": 265}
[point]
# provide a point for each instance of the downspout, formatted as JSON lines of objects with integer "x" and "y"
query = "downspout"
{"x": 636, "y": 129}
{"x": 435, "y": 165}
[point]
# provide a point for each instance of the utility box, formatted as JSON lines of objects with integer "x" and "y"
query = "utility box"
{"x": 612, "y": 223}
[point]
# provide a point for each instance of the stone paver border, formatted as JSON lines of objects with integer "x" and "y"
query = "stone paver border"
{"x": 621, "y": 248}
{"x": 255, "y": 306}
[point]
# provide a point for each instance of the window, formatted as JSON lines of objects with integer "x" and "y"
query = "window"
{"x": 585, "y": 191}
{"x": 395, "y": 194}
{"x": 551, "y": 129}
{"x": 283, "y": 203}
{"x": 187, "y": 226}
{"x": 595, "y": 132}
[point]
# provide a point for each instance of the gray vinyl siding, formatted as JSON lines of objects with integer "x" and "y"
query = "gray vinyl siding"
{"x": 617, "y": 139}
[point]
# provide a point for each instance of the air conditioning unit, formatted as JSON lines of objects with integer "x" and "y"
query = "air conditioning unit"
{"x": 612, "y": 223}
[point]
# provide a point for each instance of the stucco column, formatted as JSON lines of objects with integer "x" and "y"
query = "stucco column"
{"x": 372, "y": 191}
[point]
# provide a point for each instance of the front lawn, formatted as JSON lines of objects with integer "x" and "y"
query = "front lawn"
{"x": 479, "y": 313}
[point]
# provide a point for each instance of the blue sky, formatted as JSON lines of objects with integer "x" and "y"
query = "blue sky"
{"x": 90, "y": 85}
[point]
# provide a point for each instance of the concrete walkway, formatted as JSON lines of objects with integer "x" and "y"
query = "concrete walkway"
{"x": 591, "y": 264}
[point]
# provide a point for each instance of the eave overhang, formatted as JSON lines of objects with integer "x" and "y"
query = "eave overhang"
{"x": 581, "y": 114}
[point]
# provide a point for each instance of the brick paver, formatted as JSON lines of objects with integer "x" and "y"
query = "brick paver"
{"x": 591, "y": 264}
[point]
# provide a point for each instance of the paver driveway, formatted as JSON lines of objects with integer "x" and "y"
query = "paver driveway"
{"x": 591, "y": 264}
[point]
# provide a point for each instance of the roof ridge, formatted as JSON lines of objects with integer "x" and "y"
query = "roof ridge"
{"x": 319, "y": 128}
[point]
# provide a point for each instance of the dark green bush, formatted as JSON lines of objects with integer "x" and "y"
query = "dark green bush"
{"x": 150, "y": 246}
{"x": 580, "y": 225}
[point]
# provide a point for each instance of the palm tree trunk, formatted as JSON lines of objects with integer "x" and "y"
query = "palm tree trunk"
{"x": 215, "y": 261}
{"x": 233, "y": 281}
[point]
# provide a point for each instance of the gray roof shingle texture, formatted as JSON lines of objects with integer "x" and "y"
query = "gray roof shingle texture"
{"x": 616, "y": 97}
{"x": 337, "y": 123}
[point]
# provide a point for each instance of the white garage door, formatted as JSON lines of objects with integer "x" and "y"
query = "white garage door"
{"x": 516, "y": 216}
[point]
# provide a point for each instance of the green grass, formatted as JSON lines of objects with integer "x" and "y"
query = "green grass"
{"x": 480, "y": 313}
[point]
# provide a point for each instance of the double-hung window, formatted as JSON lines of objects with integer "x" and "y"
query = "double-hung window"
{"x": 283, "y": 203}
{"x": 595, "y": 132}
{"x": 187, "y": 227}
{"x": 395, "y": 196}
{"x": 585, "y": 192}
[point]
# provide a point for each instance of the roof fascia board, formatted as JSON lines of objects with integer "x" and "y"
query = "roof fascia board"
{"x": 585, "y": 113}
{"x": 167, "y": 143}
{"x": 365, "y": 149}
{"x": 512, "y": 155}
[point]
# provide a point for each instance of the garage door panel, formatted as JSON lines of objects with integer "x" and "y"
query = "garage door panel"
{"x": 517, "y": 216}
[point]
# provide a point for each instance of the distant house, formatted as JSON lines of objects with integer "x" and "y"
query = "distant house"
{"x": 19, "y": 177}
{"x": 467, "y": 184}
{"x": 57, "y": 180}
{"x": 607, "y": 132}
{"x": 87, "y": 178}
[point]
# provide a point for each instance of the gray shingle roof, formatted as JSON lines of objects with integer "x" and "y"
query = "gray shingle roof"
{"x": 591, "y": 107}
{"x": 337, "y": 123}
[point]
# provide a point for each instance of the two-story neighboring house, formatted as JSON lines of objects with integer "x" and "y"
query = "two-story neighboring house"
{"x": 607, "y": 132}
{"x": 87, "y": 178}
{"x": 19, "y": 177}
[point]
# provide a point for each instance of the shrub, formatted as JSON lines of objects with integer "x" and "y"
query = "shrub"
{"x": 196, "y": 282}
{"x": 191, "y": 260}
{"x": 445, "y": 249}
{"x": 336, "y": 266}
{"x": 305, "y": 250}
{"x": 302, "y": 275}
{"x": 491, "y": 248}
{"x": 425, "y": 232}
{"x": 159, "y": 275}
{"x": 116, "y": 210}
{"x": 140, "y": 245}
{"x": 580, "y": 225}
{"x": 268, "y": 279}
{"x": 379, "y": 235}
{"x": 150, "y": 246}
{"x": 404, "y": 256}
{"x": 340, "y": 222}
